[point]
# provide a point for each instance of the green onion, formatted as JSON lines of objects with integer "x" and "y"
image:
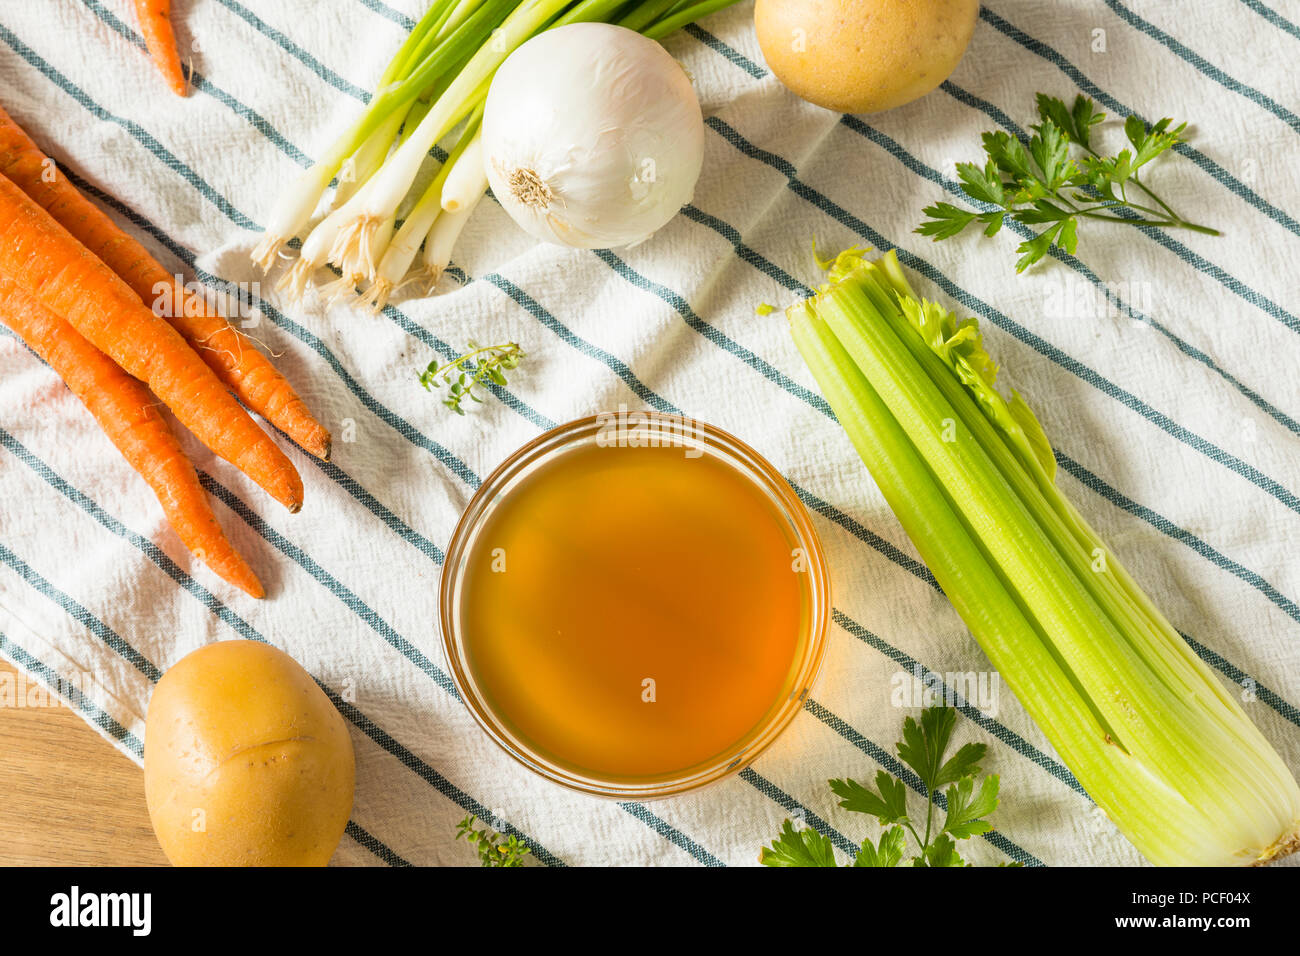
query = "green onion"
{"x": 1141, "y": 721}
{"x": 436, "y": 80}
{"x": 401, "y": 252}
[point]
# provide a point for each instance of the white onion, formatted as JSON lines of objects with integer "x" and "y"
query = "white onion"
{"x": 592, "y": 136}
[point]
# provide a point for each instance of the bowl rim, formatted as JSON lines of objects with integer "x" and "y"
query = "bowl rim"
{"x": 749, "y": 462}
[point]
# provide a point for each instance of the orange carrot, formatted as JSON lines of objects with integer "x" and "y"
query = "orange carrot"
{"x": 130, "y": 417}
{"x": 65, "y": 277}
{"x": 155, "y": 18}
{"x": 229, "y": 353}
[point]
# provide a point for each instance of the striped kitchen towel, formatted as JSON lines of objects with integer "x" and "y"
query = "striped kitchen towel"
{"x": 1163, "y": 365}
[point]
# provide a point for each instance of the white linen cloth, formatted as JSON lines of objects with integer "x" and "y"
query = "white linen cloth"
{"x": 1164, "y": 371}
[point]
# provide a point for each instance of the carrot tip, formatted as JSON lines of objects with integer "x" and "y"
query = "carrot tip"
{"x": 253, "y": 589}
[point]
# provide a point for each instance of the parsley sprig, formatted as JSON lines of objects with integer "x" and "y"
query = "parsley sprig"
{"x": 1042, "y": 184}
{"x": 924, "y": 748}
{"x": 493, "y": 849}
{"x": 466, "y": 376}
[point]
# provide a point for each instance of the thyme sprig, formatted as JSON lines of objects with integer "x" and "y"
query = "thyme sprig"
{"x": 471, "y": 373}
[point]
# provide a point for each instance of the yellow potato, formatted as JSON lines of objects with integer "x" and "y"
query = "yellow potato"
{"x": 863, "y": 56}
{"x": 246, "y": 761}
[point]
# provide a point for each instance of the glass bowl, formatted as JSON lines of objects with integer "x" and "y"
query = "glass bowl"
{"x": 695, "y": 438}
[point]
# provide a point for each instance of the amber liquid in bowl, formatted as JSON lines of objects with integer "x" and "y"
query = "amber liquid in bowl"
{"x": 630, "y": 613}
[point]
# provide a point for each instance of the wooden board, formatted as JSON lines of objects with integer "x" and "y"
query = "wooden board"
{"x": 69, "y": 798}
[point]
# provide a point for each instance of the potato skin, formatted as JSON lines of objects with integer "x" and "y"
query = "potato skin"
{"x": 240, "y": 739}
{"x": 863, "y": 56}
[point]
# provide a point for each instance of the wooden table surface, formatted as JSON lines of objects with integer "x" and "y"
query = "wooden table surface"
{"x": 69, "y": 798}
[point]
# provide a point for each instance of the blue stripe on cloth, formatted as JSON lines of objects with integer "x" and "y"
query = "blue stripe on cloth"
{"x": 331, "y": 584}
{"x": 1086, "y": 373}
{"x": 1164, "y": 525}
{"x": 245, "y": 630}
{"x": 78, "y": 613}
{"x": 1204, "y": 66}
{"x": 374, "y": 845}
{"x": 774, "y": 793}
{"x": 670, "y": 833}
{"x": 388, "y": 13}
{"x": 732, "y": 54}
{"x": 1244, "y": 680}
{"x": 864, "y": 534}
{"x": 712, "y": 333}
{"x": 379, "y": 510}
{"x": 1209, "y": 166}
{"x": 315, "y": 65}
{"x": 1273, "y": 17}
{"x": 72, "y": 693}
{"x": 743, "y": 252}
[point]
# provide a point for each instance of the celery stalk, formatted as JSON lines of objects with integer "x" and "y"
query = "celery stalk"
{"x": 1144, "y": 725}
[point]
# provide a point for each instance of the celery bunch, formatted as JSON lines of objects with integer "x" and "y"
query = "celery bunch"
{"x": 1142, "y": 722}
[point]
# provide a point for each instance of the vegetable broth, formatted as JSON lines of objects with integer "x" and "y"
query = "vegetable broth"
{"x": 632, "y": 612}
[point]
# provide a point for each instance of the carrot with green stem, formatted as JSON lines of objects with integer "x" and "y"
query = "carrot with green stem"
{"x": 130, "y": 418}
{"x": 229, "y": 353}
{"x": 155, "y": 18}
{"x": 64, "y": 276}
